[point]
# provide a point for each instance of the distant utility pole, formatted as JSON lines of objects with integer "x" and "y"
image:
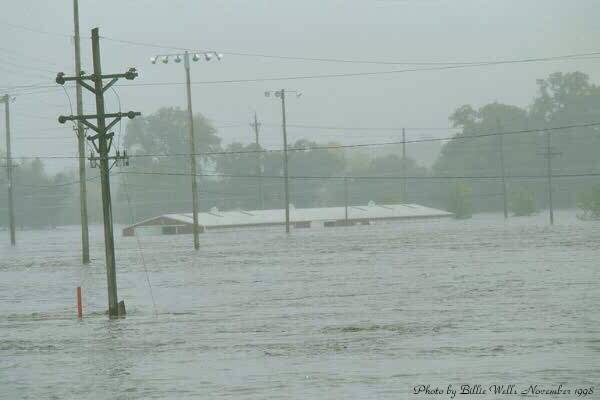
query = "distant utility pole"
{"x": 550, "y": 154}
{"x": 403, "y": 182}
{"x": 103, "y": 146}
{"x": 281, "y": 94}
{"x": 501, "y": 151}
{"x": 85, "y": 238}
{"x": 345, "y": 201}
{"x": 9, "y": 167}
{"x": 164, "y": 58}
{"x": 261, "y": 201}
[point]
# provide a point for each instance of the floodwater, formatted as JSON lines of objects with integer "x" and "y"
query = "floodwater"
{"x": 363, "y": 312}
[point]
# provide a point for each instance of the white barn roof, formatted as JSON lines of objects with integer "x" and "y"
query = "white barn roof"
{"x": 236, "y": 218}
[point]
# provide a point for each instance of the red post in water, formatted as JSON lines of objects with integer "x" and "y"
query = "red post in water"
{"x": 79, "y": 307}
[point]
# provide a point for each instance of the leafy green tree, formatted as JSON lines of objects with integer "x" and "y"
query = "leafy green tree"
{"x": 459, "y": 201}
{"x": 563, "y": 99}
{"x": 589, "y": 203}
{"x": 160, "y": 142}
{"x": 522, "y": 203}
{"x": 38, "y": 197}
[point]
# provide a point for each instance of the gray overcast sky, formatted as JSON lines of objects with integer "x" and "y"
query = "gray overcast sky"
{"x": 385, "y": 30}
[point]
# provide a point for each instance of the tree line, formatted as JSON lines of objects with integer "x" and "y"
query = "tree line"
{"x": 156, "y": 182}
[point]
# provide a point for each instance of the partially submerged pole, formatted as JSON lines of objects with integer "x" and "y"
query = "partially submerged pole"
{"x": 285, "y": 165}
{"x": 79, "y": 306}
{"x": 85, "y": 238}
{"x": 9, "y": 170}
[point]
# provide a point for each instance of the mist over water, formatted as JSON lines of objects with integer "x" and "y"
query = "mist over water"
{"x": 354, "y": 312}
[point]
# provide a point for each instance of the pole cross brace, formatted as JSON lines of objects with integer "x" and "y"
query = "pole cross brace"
{"x": 61, "y": 79}
{"x": 84, "y": 119}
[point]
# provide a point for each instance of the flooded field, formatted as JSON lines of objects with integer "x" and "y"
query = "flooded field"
{"x": 359, "y": 312}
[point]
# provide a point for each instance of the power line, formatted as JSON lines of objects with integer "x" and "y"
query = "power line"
{"x": 348, "y": 74}
{"x": 431, "y": 177}
{"x": 351, "y": 128}
{"x": 34, "y": 30}
{"x": 354, "y": 61}
{"x": 337, "y": 147}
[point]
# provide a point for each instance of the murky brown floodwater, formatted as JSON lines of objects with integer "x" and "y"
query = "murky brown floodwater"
{"x": 359, "y": 312}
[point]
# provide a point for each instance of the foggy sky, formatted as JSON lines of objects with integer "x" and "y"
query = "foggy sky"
{"x": 385, "y": 30}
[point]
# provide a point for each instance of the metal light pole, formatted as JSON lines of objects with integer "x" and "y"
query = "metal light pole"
{"x": 281, "y": 94}
{"x": 192, "y": 146}
{"x": 11, "y": 213}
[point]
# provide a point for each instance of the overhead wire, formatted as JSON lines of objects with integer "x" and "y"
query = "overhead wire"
{"x": 356, "y": 145}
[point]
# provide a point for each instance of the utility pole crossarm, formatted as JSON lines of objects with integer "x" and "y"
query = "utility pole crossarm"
{"x": 84, "y": 119}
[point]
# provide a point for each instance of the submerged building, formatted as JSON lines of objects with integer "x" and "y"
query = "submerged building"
{"x": 171, "y": 224}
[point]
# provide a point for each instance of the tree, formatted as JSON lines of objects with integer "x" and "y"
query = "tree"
{"x": 589, "y": 203}
{"x": 161, "y": 142}
{"x": 557, "y": 92}
{"x": 459, "y": 201}
{"x": 522, "y": 203}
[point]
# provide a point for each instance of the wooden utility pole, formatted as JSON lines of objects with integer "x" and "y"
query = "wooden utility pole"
{"x": 549, "y": 154}
{"x": 281, "y": 94}
{"x": 346, "y": 201}
{"x": 103, "y": 146}
{"x": 261, "y": 201}
{"x": 285, "y": 164}
{"x": 404, "y": 197}
{"x": 9, "y": 167}
{"x": 502, "y": 169}
{"x": 85, "y": 238}
{"x": 195, "y": 228}
{"x": 111, "y": 273}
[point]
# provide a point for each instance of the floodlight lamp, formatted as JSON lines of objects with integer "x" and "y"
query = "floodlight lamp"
{"x": 267, "y": 94}
{"x": 298, "y": 94}
{"x": 131, "y": 74}
{"x": 219, "y": 56}
{"x": 196, "y": 57}
{"x": 208, "y": 56}
{"x": 153, "y": 60}
{"x": 278, "y": 93}
{"x": 165, "y": 59}
{"x": 60, "y": 78}
{"x": 177, "y": 59}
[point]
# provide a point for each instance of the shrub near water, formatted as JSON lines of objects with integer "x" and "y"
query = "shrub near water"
{"x": 522, "y": 203}
{"x": 460, "y": 201}
{"x": 589, "y": 203}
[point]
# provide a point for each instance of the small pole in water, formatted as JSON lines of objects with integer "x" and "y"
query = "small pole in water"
{"x": 79, "y": 307}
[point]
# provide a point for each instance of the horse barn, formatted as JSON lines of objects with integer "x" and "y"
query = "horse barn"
{"x": 171, "y": 224}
